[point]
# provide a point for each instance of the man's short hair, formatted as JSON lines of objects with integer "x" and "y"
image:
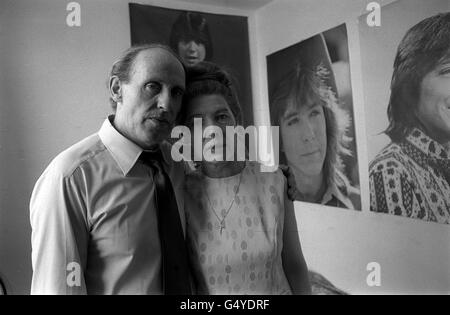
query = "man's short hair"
{"x": 425, "y": 46}
{"x": 123, "y": 67}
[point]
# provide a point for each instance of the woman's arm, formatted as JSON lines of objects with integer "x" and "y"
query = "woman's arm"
{"x": 294, "y": 263}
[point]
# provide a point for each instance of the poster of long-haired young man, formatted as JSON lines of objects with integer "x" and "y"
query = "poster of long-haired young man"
{"x": 408, "y": 99}
{"x": 310, "y": 98}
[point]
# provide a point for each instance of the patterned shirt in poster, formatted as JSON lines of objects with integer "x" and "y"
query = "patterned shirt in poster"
{"x": 411, "y": 179}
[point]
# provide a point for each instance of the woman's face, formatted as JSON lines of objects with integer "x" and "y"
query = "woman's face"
{"x": 191, "y": 52}
{"x": 304, "y": 137}
{"x": 434, "y": 103}
{"x": 214, "y": 111}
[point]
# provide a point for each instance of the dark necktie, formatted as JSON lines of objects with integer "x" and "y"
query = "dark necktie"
{"x": 175, "y": 262}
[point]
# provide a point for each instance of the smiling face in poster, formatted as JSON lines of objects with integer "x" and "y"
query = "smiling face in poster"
{"x": 410, "y": 177}
{"x": 434, "y": 104}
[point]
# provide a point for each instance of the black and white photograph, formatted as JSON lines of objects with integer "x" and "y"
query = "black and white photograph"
{"x": 410, "y": 161}
{"x": 310, "y": 98}
{"x": 101, "y": 102}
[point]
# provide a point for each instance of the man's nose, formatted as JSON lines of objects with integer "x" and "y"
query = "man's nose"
{"x": 308, "y": 134}
{"x": 165, "y": 101}
{"x": 192, "y": 45}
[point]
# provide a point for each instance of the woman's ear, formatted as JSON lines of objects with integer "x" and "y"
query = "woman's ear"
{"x": 115, "y": 89}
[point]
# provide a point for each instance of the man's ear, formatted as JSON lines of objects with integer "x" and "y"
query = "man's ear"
{"x": 115, "y": 89}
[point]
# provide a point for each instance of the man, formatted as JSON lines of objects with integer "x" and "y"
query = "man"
{"x": 102, "y": 211}
{"x": 411, "y": 176}
{"x": 313, "y": 125}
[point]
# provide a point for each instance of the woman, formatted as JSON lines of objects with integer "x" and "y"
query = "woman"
{"x": 241, "y": 228}
{"x": 312, "y": 124}
{"x": 411, "y": 177}
{"x": 191, "y": 39}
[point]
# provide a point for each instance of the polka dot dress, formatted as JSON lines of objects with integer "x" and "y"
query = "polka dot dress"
{"x": 245, "y": 258}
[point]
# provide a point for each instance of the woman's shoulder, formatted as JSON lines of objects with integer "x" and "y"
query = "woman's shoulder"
{"x": 266, "y": 180}
{"x": 265, "y": 173}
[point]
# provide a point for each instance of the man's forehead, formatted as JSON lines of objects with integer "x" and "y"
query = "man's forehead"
{"x": 290, "y": 111}
{"x": 294, "y": 108}
{"x": 157, "y": 51}
{"x": 159, "y": 61}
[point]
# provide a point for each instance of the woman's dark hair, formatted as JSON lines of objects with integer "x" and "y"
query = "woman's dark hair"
{"x": 124, "y": 65}
{"x": 191, "y": 26}
{"x": 424, "y": 47}
{"x": 206, "y": 78}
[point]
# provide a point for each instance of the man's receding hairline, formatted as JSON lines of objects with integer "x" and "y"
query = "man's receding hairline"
{"x": 149, "y": 47}
{"x": 157, "y": 46}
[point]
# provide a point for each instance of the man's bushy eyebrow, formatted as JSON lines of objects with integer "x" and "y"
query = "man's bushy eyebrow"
{"x": 294, "y": 112}
{"x": 223, "y": 110}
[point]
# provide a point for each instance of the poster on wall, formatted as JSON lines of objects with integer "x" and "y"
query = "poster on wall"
{"x": 197, "y": 36}
{"x": 310, "y": 98}
{"x": 407, "y": 99}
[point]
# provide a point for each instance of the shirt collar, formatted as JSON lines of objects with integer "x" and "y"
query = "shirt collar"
{"x": 124, "y": 151}
{"x": 334, "y": 192}
{"x": 427, "y": 145}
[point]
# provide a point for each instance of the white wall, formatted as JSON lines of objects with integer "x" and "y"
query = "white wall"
{"x": 414, "y": 255}
{"x": 52, "y": 94}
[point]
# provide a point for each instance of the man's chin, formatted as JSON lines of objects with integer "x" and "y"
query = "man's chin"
{"x": 444, "y": 134}
{"x": 153, "y": 138}
{"x": 442, "y": 127}
{"x": 310, "y": 169}
{"x": 446, "y": 119}
{"x": 156, "y": 127}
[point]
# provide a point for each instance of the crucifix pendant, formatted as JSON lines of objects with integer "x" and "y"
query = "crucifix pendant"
{"x": 222, "y": 226}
